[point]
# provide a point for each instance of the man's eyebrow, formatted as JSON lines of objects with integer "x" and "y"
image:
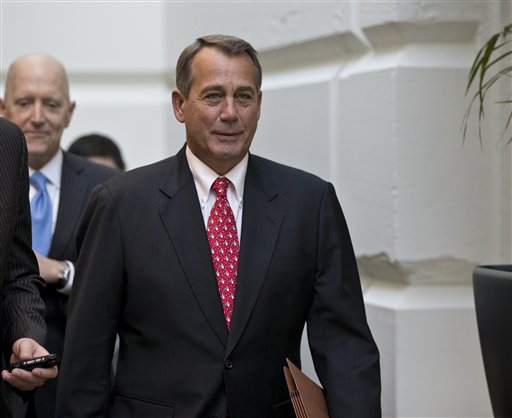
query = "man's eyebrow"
{"x": 220, "y": 88}
{"x": 247, "y": 88}
{"x": 208, "y": 89}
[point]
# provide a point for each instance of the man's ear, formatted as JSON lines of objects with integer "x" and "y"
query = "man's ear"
{"x": 2, "y": 107}
{"x": 71, "y": 109}
{"x": 260, "y": 97}
{"x": 178, "y": 100}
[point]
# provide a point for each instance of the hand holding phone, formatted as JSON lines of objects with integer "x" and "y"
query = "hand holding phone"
{"x": 49, "y": 360}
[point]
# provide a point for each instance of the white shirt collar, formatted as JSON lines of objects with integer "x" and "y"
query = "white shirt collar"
{"x": 52, "y": 169}
{"x": 204, "y": 176}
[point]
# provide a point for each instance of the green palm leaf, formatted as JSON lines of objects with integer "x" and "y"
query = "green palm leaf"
{"x": 493, "y": 53}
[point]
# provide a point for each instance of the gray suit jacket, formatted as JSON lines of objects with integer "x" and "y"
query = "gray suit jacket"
{"x": 145, "y": 272}
{"x": 22, "y": 308}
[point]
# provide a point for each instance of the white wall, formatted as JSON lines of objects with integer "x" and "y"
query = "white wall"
{"x": 369, "y": 95}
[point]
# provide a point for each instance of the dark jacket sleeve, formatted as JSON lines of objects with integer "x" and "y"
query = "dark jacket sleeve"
{"x": 22, "y": 306}
{"x": 345, "y": 355}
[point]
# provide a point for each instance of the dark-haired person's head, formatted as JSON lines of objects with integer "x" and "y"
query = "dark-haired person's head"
{"x": 98, "y": 148}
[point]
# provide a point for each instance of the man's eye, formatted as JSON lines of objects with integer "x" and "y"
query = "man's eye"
{"x": 52, "y": 105}
{"x": 22, "y": 103}
{"x": 213, "y": 97}
{"x": 245, "y": 97}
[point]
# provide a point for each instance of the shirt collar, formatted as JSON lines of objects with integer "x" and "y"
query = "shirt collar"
{"x": 204, "y": 176}
{"x": 52, "y": 170}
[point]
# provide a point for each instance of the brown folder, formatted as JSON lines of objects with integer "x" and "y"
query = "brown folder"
{"x": 307, "y": 397}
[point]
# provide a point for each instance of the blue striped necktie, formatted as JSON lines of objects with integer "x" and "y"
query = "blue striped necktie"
{"x": 41, "y": 211}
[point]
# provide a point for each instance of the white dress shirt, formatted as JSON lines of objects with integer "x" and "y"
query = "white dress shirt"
{"x": 204, "y": 177}
{"x": 52, "y": 170}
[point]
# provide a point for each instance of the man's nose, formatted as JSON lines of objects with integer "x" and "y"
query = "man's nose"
{"x": 229, "y": 110}
{"x": 37, "y": 114}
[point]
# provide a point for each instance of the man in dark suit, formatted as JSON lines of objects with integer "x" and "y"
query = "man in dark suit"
{"x": 37, "y": 100}
{"x": 22, "y": 309}
{"x": 163, "y": 258}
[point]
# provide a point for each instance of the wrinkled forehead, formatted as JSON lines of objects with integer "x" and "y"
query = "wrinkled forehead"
{"x": 212, "y": 63}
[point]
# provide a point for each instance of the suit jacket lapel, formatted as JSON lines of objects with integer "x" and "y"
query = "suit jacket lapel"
{"x": 72, "y": 194}
{"x": 260, "y": 229}
{"x": 183, "y": 221}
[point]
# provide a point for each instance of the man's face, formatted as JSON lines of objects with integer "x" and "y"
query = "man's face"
{"x": 222, "y": 109}
{"x": 36, "y": 99}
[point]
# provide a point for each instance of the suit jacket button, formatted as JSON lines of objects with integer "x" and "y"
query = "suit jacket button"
{"x": 228, "y": 364}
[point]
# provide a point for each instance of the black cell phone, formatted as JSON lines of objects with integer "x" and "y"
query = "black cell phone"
{"x": 49, "y": 360}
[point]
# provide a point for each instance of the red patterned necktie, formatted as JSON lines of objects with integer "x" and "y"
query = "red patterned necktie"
{"x": 223, "y": 239}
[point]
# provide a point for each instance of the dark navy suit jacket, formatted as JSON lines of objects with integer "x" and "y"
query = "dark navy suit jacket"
{"x": 145, "y": 272}
{"x": 79, "y": 176}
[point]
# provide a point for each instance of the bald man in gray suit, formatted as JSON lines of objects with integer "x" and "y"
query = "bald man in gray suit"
{"x": 22, "y": 323}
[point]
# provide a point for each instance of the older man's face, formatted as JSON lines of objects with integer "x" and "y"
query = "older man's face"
{"x": 222, "y": 110}
{"x": 37, "y": 100}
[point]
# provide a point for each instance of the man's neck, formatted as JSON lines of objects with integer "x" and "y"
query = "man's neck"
{"x": 37, "y": 163}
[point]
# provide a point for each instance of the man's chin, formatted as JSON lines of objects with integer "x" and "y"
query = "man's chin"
{"x": 37, "y": 152}
{"x": 229, "y": 146}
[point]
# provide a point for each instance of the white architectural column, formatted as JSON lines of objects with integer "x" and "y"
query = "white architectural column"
{"x": 434, "y": 219}
{"x": 431, "y": 361}
{"x": 386, "y": 99}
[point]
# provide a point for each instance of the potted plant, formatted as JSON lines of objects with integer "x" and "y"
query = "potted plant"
{"x": 492, "y": 284}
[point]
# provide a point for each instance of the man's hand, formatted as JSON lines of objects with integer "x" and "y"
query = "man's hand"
{"x": 48, "y": 268}
{"x": 26, "y": 349}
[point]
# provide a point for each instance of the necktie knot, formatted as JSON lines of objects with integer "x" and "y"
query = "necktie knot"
{"x": 38, "y": 180}
{"x": 220, "y": 185}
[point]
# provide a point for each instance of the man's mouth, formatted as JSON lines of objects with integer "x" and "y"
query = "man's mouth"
{"x": 228, "y": 134}
{"x": 36, "y": 134}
